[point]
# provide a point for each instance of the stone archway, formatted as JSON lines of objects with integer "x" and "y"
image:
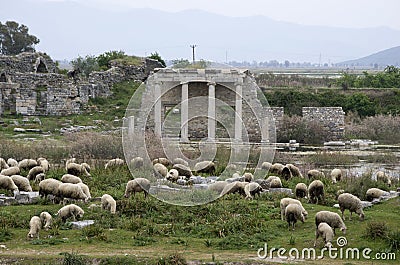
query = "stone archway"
{"x": 3, "y": 78}
{"x": 41, "y": 67}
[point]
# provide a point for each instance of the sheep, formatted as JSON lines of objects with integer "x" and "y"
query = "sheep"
{"x": 204, "y": 167}
{"x": 326, "y": 232}
{"x": 68, "y": 178}
{"x": 12, "y": 162}
{"x": 172, "y": 175}
{"x": 10, "y": 171}
{"x": 286, "y": 201}
{"x": 78, "y": 169}
{"x": 316, "y": 191}
{"x": 34, "y": 227}
{"x": 85, "y": 190}
{"x": 70, "y": 210}
{"x": 22, "y": 183}
{"x": 375, "y": 193}
{"x": 248, "y": 177}
{"x": 252, "y": 189}
{"x": 263, "y": 183}
{"x": 108, "y": 203}
{"x": 276, "y": 168}
{"x": 160, "y": 170}
{"x": 70, "y": 160}
{"x": 137, "y": 162}
{"x": 293, "y": 212}
{"x": 40, "y": 177}
{"x": 218, "y": 186}
{"x": 43, "y": 163}
{"x": 315, "y": 174}
{"x": 49, "y": 187}
{"x": 183, "y": 170}
{"x": 46, "y": 219}
{"x": 71, "y": 191}
{"x": 381, "y": 176}
{"x": 266, "y": 165}
{"x": 34, "y": 171}
{"x": 275, "y": 182}
{"x": 162, "y": 160}
{"x": 27, "y": 164}
{"x": 7, "y": 183}
{"x": 3, "y": 164}
{"x": 294, "y": 170}
{"x": 351, "y": 202}
{"x": 137, "y": 185}
{"x": 114, "y": 163}
{"x": 234, "y": 187}
{"x": 338, "y": 193}
{"x": 332, "y": 219}
{"x": 336, "y": 175}
{"x": 301, "y": 190}
{"x": 181, "y": 161}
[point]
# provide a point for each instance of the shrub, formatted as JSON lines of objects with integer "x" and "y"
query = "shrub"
{"x": 376, "y": 230}
{"x": 73, "y": 259}
{"x": 393, "y": 241}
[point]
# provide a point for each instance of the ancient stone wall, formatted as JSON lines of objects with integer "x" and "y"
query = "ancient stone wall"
{"x": 27, "y": 62}
{"x": 331, "y": 119}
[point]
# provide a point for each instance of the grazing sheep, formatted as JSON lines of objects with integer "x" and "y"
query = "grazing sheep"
{"x": 162, "y": 160}
{"x": 70, "y": 160}
{"x": 3, "y": 164}
{"x": 181, "y": 161}
{"x": 375, "y": 193}
{"x": 326, "y": 232}
{"x": 266, "y": 165}
{"x": 34, "y": 227}
{"x": 381, "y": 176}
{"x": 137, "y": 185}
{"x": 286, "y": 201}
{"x": 218, "y": 186}
{"x": 301, "y": 190}
{"x": 332, "y": 219}
{"x": 43, "y": 163}
{"x": 137, "y": 162}
{"x": 234, "y": 187}
{"x": 85, "y": 190}
{"x": 10, "y": 171}
{"x": 275, "y": 182}
{"x": 40, "y": 177}
{"x": 286, "y": 173}
{"x": 160, "y": 170}
{"x": 12, "y": 162}
{"x": 173, "y": 175}
{"x": 276, "y": 168}
{"x": 22, "y": 183}
{"x": 116, "y": 162}
{"x": 248, "y": 177}
{"x": 27, "y": 164}
{"x": 7, "y": 183}
{"x": 49, "y": 187}
{"x": 34, "y": 171}
{"x": 316, "y": 191}
{"x": 70, "y": 210}
{"x": 294, "y": 170}
{"x": 315, "y": 174}
{"x": 108, "y": 203}
{"x": 204, "y": 167}
{"x": 183, "y": 170}
{"x": 71, "y": 191}
{"x": 336, "y": 175}
{"x": 68, "y": 178}
{"x": 293, "y": 212}
{"x": 78, "y": 169}
{"x": 351, "y": 202}
{"x": 46, "y": 219}
{"x": 252, "y": 189}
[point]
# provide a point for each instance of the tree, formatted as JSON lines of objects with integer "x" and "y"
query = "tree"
{"x": 103, "y": 60}
{"x": 14, "y": 39}
{"x": 86, "y": 65}
{"x": 157, "y": 57}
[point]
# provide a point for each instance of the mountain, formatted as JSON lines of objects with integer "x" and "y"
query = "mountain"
{"x": 383, "y": 58}
{"x": 67, "y": 29}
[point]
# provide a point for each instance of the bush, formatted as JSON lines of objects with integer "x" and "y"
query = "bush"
{"x": 358, "y": 186}
{"x": 73, "y": 259}
{"x": 376, "y": 230}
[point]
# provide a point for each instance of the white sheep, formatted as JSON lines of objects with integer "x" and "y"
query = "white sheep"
{"x": 137, "y": 162}
{"x": 326, "y": 232}
{"x": 46, "y": 220}
{"x": 44, "y": 163}
{"x": 352, "y": 203}
{"x": 162, "y": 160}
{"x": 40, "y": 177}
{"x": 266, "y": 165}
{"x": 27, "y": 164}
{"x": 204, "y": 167}
{"x": 375, "y": 193}
{"x": 70, "y": 210}
{"x": 293, "y": 212}
{"x": 12, "y": 162}
{"x": 336, "y": 175}
{"x": 78, "y": 169}
{"x": 68, "y": 178}
{"x": 22, "y": 183}
{"x": 71, "y": 191}
{"x": 275, "y": 182}
{"x": 70, "y": 160}
{"x": 3, "y": 164}
{"x": 49, "y": 187}
{"x": 294, "y": 170}
{"x": 160, "y": 170}
{"x": 172, "y": 175}
{"x": 108, "y": 203}
{"x": 381, "y": 176}
{"x": 7, "y": 183}
{"x": 316, "y": 191}
{"x": 137, "y": 185}
{"x": 300, "y": 190}
{"x": 252, "y": 189}
{"x": 181, "y": 161}
{"x": 234, "y": 187}
{"x": 34, "y": 171}
{"x": 114, "y": 163}
{"x": 286, "y": 201}
{"x": 332, "y": 219}
{"x": 315, "y": 174}
{"x": 10, "y": 171}
{"x": 248, "y": 177}
{"x": 85, "y": 190}
{"x": 276, "y": 168}
{"x": 34, "y": 227}
{"x": 218, "y": 186}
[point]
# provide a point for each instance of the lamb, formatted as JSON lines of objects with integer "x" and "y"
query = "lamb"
{"x": 137, "y": 162}
{"x": 266, "y": 165}
{"x": 78, "y": 169}
{"x": 293, "y": 212}
{"x": 252, "y": 189}
{"x": 46, "y": 220}
{"x": 276, "y": 168}
{"x": 160, "y": 170}
{"x": 351, "y": 202}
{"x": 204, "y": 167}
{"x": 286, "y": 201}
{"x": 181, "y": 161}
{"x": 248, "y": 177}
{"x": 234, "y": 187}
{"x": 108, "y": 203}
{"x": 43, "y": 163}
{"x": 27, "y": 164}
{"x": 375, "y": 193}
{"x": 70, "y": 210}
{"x": 114, "y": 163}
{"x": 85, "y": 190}
{"x": 137, "y": 185}
{"x": 7, "y": 183}
{"x": 336, "y": 175}
{"x": 10, "y": 171}
{"x": 34, "y": 227}
{"x": 218, "y": 186}
{"x": 316, "y": 191}
{"x": 301, "y": 190}
{"x": 3, "y": 164}
{"x": 173, "y": 175}
{"x": 332, "y": 219}
{"x": 315, "y": 174}
{"x": 162, "y": 160}
{"x": 49, "y": 187}
{"x": 12, "y": 162}
{"x": 326, "y": 232}
{"x": 22, "y": 183}
{"x": 381, "y": 176}
{"x": 68, "y": 178}
{"x": 34, "y": 171}
{"x": 71, "y": 191}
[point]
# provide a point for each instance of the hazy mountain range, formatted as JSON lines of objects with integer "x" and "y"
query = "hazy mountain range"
{"x": 383, "y": 58}
{"x": 69, "y": 29}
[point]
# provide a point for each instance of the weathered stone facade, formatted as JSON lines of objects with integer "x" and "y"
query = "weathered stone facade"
{"x": 331, "y": 119}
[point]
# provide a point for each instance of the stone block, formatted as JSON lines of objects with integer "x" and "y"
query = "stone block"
{"x": 82, "y": 224}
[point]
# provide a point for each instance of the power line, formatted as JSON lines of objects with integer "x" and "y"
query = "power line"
{"x": 193, "y": 46}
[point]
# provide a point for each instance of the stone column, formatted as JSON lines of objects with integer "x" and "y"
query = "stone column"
{"x": 185, "y": 112}
{"x": 238, "y": 112}
{"x": 211, "y": 111}
{"x": 131, "y": 125}
{"x": 157, "y": 109}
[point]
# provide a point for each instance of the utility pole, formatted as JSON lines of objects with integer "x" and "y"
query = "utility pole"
{"x": 193, "y": 46}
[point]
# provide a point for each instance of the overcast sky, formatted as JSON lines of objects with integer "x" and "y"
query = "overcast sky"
{"x": 343, "y": 13}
